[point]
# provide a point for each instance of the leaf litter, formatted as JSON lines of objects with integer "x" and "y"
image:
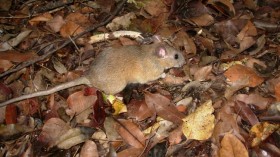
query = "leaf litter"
{"x": 223, "y": 102}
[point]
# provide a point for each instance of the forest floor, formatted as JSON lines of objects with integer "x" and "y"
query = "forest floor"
{"x": 225, "y": 101}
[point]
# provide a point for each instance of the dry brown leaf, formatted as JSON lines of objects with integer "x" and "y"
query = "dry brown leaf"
{"x": 238, "y": 73}
{"x": 245, "y": 43}
{"x": 15, "y": 56}
{"x": 224, "y": 6}
{"x": 127, "y": 41}
{"x": 78, "y": 18}
{"x": 229, "y": 29}
{"x": 131, "y": 134}
{"x": 80, "y": 105}
{"x": 203, "y": 20}
{"x": 202, "y": 73}
{"x": 89, "y": 149}
{"x": 5, "y": 92}
{"x": 52, "y": 130}
{"x": 155, "y": 7}
{"x": 207, "y": 44}
{"x": 5, "y": 65}
{"x": 175, "y": 137}
{"x": 248, "y": 30}
{"x": 56, "y": 23}
{"x": 172, "y": 80}
{"x": 250, "y": 62}
{"x": 5, "y": 5}
{"x": 251, "y": 4}
{"x": 183, "y": 40}
{"x": 260, "y": 44}
{"x": 41, "y": 18}
{"x": 226, "y": 122}
{"x": 139, "y": 110}
{"x": 70, "y": 28}
{"x": 245, "y": 112}
{"x": 254, "y": 99}
{"x": 232, "y": 147}
{"x": 199, "y": 125}
{"x": 277, "y": 91}
{"x": 159, "y": 131}
{"x": 131, "y": 152}
{"x": 161, "y": 105}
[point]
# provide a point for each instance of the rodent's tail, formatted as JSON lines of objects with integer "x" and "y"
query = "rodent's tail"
{"x": 76, "y": 82}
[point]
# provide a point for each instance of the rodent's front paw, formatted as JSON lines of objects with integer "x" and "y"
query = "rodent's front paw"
{"x": 163, "y": 75}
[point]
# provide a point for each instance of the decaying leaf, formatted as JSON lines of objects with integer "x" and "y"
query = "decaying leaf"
{"x": 199, "y": 125}
{"x": 262, "y": 131}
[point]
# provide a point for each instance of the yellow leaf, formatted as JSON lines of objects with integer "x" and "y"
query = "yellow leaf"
{"x": 199, "y": 125}
{"x": 262, "y": 131}
{"x": 119, "y": 107}
{"x": 117, "y": 104}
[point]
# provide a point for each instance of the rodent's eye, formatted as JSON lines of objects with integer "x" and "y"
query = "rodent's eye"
{"x": 176, "y": 56}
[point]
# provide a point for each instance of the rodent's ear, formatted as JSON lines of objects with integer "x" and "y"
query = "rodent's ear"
{"x": 161, "y": 52}
{"x": 157, "y": 39}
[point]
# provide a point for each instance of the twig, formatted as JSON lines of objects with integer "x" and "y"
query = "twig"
{"x": 44, "y": 56}
{"x": 52, "y": 5}
{"x": 113, "y": 35}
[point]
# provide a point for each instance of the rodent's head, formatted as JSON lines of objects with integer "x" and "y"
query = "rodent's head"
{"x": 168, "y": 56}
